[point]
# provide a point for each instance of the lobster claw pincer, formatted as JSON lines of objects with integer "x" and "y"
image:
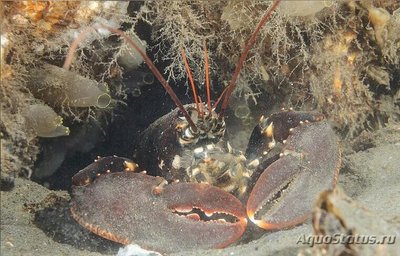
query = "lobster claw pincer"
{"x": 129, "y": 207}
{"x": 309, "y": 163}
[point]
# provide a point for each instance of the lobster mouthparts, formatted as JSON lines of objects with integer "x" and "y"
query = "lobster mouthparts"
{"x": 129, "y": 207}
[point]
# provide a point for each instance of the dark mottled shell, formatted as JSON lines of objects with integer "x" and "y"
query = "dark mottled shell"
{"x": 159, "y": 145}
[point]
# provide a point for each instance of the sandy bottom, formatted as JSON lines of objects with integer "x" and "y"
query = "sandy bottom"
{"x": 36, "y": 221}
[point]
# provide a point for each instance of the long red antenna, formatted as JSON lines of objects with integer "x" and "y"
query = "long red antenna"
{"x": 219, "y": 98}
{"x": 155, "y": 71}
{"x": 243, "y": 57}
{"x": 191, "y": 81}
{"x": 70, "y": 55}
{"x": 207, "y": 78}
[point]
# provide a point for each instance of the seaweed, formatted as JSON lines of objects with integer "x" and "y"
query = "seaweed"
{"x": 334, "y": 56}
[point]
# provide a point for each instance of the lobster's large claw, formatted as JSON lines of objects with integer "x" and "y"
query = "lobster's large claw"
{"x": 284, "y": 194}
{"x": 129, "y": 207}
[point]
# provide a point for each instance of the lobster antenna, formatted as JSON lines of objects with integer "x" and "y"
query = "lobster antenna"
{"x": 219, "y": 98}
{"x": 72, "y": 49}
{"x": 207, "y": 74}
{"x": 155, "y": 71}
{"x": 243, "y": 57}
{"x": 191, "y": 81}
{"x": 148, "y": 61}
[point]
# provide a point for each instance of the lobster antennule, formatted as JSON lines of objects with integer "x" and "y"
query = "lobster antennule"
{"x": 207, "y": 76}
{"x": 219, "y": 98}
{"x": 189, "y": 73}
{"x": 243, "y": 57}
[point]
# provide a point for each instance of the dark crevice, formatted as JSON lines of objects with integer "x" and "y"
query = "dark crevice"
{"x": 216, "y": 216}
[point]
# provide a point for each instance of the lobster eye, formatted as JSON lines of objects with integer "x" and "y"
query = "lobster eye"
{"x": 191, "y": 111}
{"x": 181, "y": 116}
